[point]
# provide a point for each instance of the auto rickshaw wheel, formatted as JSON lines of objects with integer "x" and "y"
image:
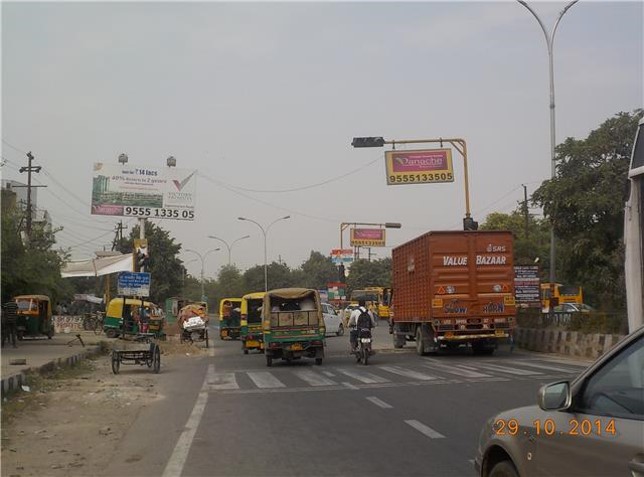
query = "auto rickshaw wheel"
{"x": 111, "y": 333}
{"x": 245, "y": 351}
{"x": 269, "y": 361}
{"x": 318, "y": 361}
{"x": 50, "y": 333}
{"x": 116, "y": 362}
{"x": 156, "y": 359}
{"x": 20, "y": 335}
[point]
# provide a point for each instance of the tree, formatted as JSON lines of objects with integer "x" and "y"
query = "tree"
{"x": 165, "y": 267}
{"x": 528, "y": 247}
{"x": 364, "y": 273}
{"x": 585, "y": 204}
{"x": 29, "y": 265}
{"x": 317, "y": 271}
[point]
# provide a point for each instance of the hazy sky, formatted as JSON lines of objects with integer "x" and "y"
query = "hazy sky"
{"x": 267, "y": 97}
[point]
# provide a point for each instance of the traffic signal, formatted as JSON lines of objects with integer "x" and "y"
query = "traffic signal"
{"x": 470, "y": 224}
{"x": 368, "y": 142}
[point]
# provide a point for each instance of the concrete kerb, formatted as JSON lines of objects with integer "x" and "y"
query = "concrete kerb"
{"x": 13, "y": 382}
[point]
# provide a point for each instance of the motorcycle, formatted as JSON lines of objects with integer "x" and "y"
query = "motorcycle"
{"x": 363, "y": 350}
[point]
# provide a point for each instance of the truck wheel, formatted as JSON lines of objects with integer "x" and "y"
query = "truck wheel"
{"x": 420, "y": 346}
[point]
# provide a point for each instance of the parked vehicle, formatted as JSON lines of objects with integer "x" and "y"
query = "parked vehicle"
{"x": 293, "y": 325}
{"x": 590, "y": 426}
{"x": 332, "y": 320}
{"x": 34, "y": 316}
{"x": 560, "y": 294}
{"x": 453, "y": 288}
{"x": 121, "y": 317}
{"x": 229, "y": 318}
{"x": 251, "y": 322}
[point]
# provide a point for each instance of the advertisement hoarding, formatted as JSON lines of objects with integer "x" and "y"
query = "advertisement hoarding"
{"x": 146, "y": 192}
{"x": 344, "y": 255}
{"x": 368, "y": 237}
{"x": 427, "y": 166}
{"x": 527, "y": 288}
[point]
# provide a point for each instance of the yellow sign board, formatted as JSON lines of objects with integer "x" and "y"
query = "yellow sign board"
{"x": 426, "y": 166}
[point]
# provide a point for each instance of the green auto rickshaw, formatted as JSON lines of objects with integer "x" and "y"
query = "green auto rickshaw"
{"x": 123, "y": 317}
{"x": 293, "y": 325}
{"x": 229, "y": 318}
{"x": 34, "y": 316}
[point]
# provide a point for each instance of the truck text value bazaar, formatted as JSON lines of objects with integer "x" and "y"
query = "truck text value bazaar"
{"x": 451, "y": 288}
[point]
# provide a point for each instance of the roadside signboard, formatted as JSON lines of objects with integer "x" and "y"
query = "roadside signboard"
{"x": 527, "y": 288}
{"x": 133, "y": 284}
{"x": 426, "y": 166}
{"x": 143, "y": 192}
{"x": 341, "y": 255}
{"x": 368, "y": 237}
{"x": 336, "y": 292}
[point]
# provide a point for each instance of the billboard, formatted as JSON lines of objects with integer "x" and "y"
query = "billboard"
{"x": 527, "y": 287}
{"x": 145, "y": 192}
{"x": 339, "y": 255}
{"x": 368, "y": 237}
{"x": 419, "y": 167}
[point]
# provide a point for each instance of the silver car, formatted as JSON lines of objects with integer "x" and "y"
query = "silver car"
{"x": 592, "y": 426}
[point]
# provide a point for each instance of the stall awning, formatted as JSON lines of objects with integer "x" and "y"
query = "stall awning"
{"x": 98, "y": 266}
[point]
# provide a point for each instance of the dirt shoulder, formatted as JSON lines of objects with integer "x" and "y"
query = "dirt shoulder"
{"x": 70, "y": 422}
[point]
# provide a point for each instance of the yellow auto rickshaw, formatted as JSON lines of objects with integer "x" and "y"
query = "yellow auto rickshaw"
{"x": 34, "y": 316}
{"x": 123, "y": 317}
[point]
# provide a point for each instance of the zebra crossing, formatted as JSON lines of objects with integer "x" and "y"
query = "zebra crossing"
{"x": 428, "y": 371}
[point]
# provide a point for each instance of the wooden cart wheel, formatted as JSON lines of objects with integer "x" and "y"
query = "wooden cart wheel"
{"x": 116, "y": 362}
{"x": 156, "y": 359}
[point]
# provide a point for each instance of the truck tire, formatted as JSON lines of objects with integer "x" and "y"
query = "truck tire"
{"x": 420, "y": 345}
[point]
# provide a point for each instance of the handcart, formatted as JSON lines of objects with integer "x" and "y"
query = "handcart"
{"x": 150, "y": 356}
{"x": 194, "y": 329}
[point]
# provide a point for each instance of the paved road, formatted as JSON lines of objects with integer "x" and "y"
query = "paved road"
{"x": 402, "y": 415}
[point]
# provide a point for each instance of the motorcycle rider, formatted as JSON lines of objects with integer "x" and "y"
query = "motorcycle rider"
{"x": 353, "y": 322}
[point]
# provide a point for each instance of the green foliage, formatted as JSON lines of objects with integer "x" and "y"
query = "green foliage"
{"x": 317, "y": 271}
{"x": 535, "y": 244}
{"x": 365, "y": 273}
{"x": 165, "y": 267}
{"x": 585, "y": 203}
{"x": 30, "y": 267}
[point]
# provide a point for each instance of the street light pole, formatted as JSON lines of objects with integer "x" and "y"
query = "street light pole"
{"x": 203, "y": 260}
{"x": 265, "y": 232}
{"x": 550, "y": 39}
{"x": 229, "y": 247}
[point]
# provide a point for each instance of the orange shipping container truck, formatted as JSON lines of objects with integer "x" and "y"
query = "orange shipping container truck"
{"x": 454, "y": 287}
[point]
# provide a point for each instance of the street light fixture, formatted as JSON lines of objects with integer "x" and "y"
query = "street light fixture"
{"x": 550, "y": 40}
{"x": 265, "y": 232}
{"x": 171, "y": 161}
{"x": 203, "y": 260}
{"x": 229, "y": 247}
{"x": 123, "y": 158}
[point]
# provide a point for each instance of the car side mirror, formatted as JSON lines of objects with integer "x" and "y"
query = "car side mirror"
{"x": 555, "y": 396}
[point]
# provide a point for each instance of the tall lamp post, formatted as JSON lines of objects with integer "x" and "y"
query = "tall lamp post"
{"x": 229, "y": 247}
{"x": 550, "y": 39}
{"x": 265, "y": 232}
{"x": 203, "y": 260}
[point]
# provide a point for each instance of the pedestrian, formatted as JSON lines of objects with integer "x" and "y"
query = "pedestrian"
{"x": 59, "y": 309}
{"x": 10, "y": 322}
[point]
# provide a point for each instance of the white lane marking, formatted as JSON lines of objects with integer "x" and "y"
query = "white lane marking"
{"x": 456, "y": 370}
{"x": 350, "y": 386}
{"x": 379, "y": 402}
{"x": 313, "y": 378}
{"x": 329, "y": 374}
{"x": 366, "y": 378}
{"x": 428, "y": 431}
{"x": 543, "y": 366}
{"x": 408, "y": 373}
{"x": 211, "y": 352}
{"x": 264, "y": 379}
{"x": 177, "y": 460}
{"x": 222, "y": 381}
{"x": 518, "y": 372}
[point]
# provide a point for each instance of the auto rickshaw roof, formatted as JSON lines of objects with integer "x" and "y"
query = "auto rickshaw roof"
{"x": 254, "y": 295}
{"x": 32, "y": 297}
{"x": 291, "y": 293}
